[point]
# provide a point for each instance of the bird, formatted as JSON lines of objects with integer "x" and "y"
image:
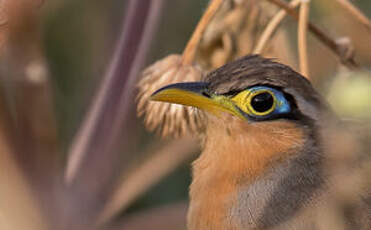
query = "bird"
{"x": 264, "y": 152}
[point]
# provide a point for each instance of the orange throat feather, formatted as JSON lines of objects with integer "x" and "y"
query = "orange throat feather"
{"x": 236, "y": 153}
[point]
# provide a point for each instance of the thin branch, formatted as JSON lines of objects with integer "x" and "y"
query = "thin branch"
{"x": 302, "y": 37}
{"x": 356, "y": 13}
{"x": 149, "y": 173}
{"x": 192, "y": 45}
{"x": 272, "y": 27}
{"x": 326, "y": 40}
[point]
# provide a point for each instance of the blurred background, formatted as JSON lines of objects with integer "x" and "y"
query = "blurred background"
{"x": 55, "y": 60}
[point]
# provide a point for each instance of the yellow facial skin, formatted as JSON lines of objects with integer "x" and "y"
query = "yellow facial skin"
{"x": 214, "y": 104}
{"x": 243, "y": 100}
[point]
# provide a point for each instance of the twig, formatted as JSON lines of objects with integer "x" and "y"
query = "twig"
{"x": 329, "y": 42}
{"x": 272, "y": 26}
{"x": 302, "y": 37}
{"x": 189, "y": 52}
{"x": 356, "y": 13}
{"x": 149, "y": 173}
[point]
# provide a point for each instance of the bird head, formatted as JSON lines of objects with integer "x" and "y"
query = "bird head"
{"x": 261, "y": 145}
{"x": 253, "y": 89}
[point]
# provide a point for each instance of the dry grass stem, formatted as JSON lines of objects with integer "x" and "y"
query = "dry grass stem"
{"x": 160, "y": 164}
{"x": 356, "y": 13}
{"x": 272, "y": 27}
{"x": 302, "y": 37}
{"x": 190, "y": 51}
{"x": 322, "y": 36}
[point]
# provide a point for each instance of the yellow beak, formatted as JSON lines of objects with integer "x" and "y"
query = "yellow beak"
{"x": 195, "y": 94}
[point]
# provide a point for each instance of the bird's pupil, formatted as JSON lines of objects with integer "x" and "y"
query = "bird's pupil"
{"x": 262, "y": 102}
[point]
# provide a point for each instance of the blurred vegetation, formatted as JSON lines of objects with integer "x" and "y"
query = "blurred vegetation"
{"x": 79, "y": 40}
{"x": 79, "y": 37}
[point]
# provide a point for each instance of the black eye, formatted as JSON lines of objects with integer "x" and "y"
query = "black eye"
{"x": 262, "y": 102}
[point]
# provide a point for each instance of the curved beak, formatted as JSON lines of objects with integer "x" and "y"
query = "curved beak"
{"x": 195, "y": 94}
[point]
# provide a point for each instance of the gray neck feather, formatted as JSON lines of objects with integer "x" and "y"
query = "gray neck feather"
{"x": 277, "y": 197}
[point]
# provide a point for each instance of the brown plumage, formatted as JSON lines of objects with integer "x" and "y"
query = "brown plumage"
{"x": 263, "y": 171}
